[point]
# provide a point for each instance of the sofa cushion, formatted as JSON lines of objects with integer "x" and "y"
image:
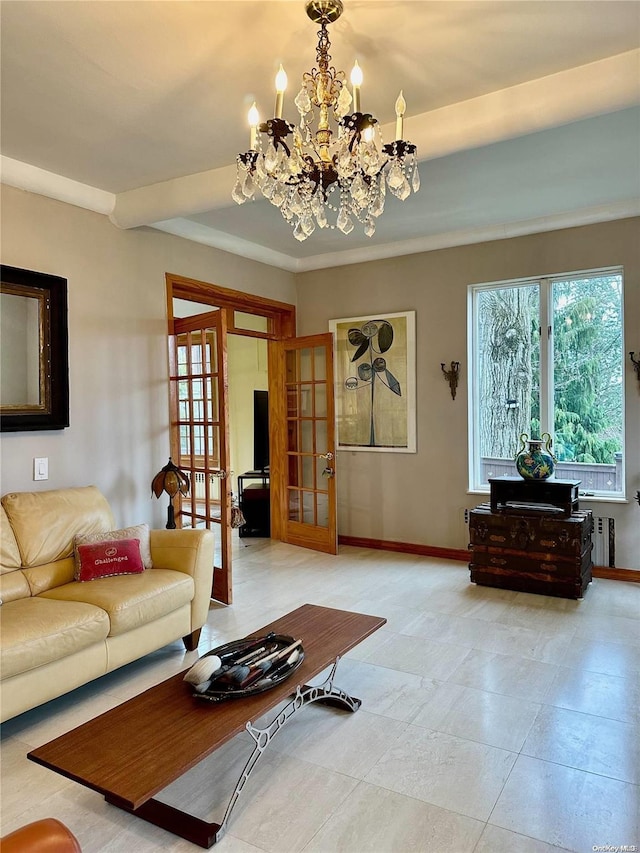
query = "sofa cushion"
{"x": 138, "y": 531}
{"x": 14, "y": 585}
{"x": 42, "y": 578}
{"x": 45, "y": 523}
{"x": 9, "y": 551}
{"x": 131, "y": 600}
{"x": 108, "y": 558}
{"x": 36, "y": 632}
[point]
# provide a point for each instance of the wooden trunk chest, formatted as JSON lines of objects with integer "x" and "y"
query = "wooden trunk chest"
{"x": 531, "y": 551}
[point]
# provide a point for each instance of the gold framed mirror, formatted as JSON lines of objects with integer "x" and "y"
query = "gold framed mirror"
{"x": 34, "y": 375}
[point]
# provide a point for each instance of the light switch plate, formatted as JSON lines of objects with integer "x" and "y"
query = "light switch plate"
{"x": 41, "y": 468}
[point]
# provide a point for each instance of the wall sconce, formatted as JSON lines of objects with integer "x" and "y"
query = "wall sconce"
{"x": 451, "y": 376}
{"x": 170, "y": 480}
{"x": 636, "y": 364}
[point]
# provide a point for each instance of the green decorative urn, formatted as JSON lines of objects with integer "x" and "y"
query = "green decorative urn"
{"x": 535, "y": 462}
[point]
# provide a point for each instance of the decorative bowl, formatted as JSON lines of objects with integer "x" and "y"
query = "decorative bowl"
{"x": 220, "y": 687}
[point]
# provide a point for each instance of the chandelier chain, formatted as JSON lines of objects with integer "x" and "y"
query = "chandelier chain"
{"x": 322, "y": 51}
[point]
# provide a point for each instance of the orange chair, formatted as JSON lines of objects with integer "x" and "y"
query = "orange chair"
{"x": 42, "y": 836}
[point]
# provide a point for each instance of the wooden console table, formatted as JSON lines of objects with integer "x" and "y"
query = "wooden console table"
{"x": 133, "y": 751}
{"x": 255, "y": 503}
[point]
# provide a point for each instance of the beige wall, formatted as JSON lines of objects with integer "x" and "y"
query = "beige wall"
{"x": 420, "y": 497}
{"x": 247, "y": 371}
{"x": 118, "y": 438}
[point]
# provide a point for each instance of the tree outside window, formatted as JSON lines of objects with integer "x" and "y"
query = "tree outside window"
{"x": 547, "y": 356}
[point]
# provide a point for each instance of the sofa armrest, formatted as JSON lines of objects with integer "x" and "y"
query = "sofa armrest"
{"x": 191, "y": 552}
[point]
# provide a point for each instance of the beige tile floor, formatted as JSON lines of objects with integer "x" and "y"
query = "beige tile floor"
{"x": 492, "y": 721}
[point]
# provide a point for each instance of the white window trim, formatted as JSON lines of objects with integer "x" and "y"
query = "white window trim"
{"x": 545, "y": 283}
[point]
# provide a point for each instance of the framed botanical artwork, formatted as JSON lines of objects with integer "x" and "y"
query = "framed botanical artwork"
{"x": 375, "y": 375}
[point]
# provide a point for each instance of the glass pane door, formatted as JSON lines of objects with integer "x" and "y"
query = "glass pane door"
{"x": 199, "y": 433}
{"x": 309, "y": 472}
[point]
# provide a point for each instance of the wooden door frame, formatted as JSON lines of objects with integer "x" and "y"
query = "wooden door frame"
{"x": 282, "y": 315}
{"x": 281, "y": 325}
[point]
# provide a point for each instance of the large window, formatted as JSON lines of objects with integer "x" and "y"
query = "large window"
{"x": 546, "y": 355}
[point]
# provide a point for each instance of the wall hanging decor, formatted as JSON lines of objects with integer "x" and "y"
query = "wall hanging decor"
{"x": 636, "y": 364}
{"x": 375, "y": 375}
{"x": 34, "y": 357}
{"x": 452, "y": 376}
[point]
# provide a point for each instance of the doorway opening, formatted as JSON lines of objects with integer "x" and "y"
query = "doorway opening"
{"x": 300, "y": 489}
{"x": 218, "y": 356}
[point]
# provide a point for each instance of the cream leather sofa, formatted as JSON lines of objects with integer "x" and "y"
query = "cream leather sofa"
{"x": 57, "y": 633}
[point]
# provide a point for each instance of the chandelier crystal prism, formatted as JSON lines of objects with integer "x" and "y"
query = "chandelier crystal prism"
{"x": 326, "y": 178}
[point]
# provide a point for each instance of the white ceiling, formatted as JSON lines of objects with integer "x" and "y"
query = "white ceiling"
{"x": 525, "y": 112}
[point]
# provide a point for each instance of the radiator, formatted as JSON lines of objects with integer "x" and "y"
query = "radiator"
{"x": 603, "y": 538}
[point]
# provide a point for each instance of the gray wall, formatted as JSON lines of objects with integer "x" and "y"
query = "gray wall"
{"x": 118, "y": 436}
{"x": 119, "y": 433}
{"x": 420, "y": 498}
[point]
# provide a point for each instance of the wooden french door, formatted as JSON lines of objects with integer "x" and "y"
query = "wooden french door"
{"x": 303, "y": 484}
{"x": 199, "y": 433}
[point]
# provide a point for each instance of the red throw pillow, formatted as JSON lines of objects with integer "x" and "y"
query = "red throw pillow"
{"x": 112, "y": 557}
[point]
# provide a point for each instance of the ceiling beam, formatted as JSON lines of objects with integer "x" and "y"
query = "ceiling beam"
{"x": 596, "y": 88}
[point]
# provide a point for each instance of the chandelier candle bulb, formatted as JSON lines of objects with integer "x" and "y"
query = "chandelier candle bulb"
{"x": 281, "y": 85}
{"x": 356, "y": 82}
{"x": 254, "y": 119}
{"x": 401, "y": 108}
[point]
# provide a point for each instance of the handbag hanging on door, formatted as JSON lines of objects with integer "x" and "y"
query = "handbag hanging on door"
{"x": 237, "y": 518}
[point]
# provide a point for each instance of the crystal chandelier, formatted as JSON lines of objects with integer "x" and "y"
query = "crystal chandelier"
{"x": 341, "y": 175}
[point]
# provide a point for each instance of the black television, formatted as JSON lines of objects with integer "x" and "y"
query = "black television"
{"x": 261, "y": 431}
